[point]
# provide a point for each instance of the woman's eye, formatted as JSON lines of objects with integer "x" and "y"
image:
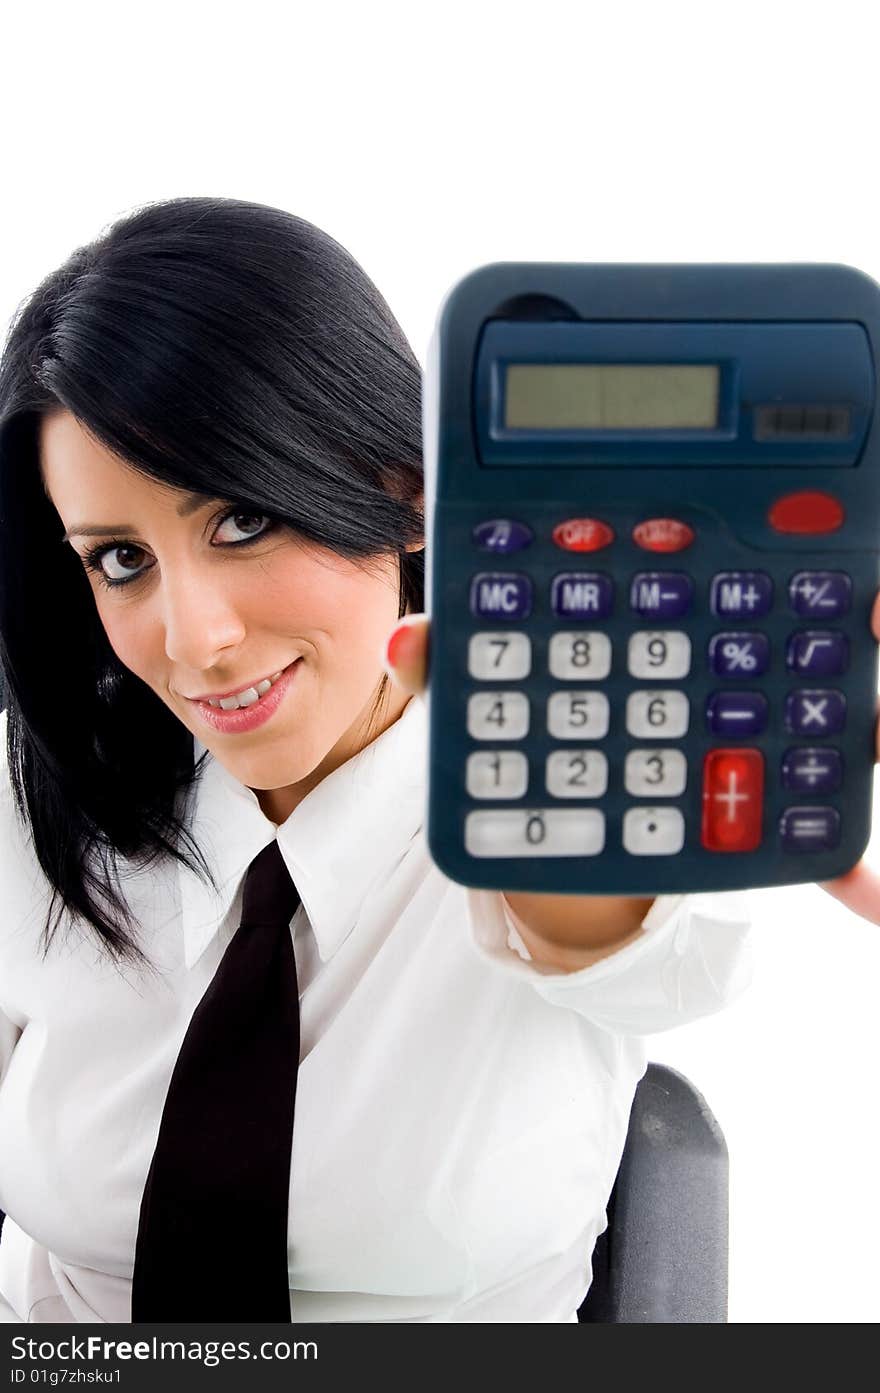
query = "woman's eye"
{"x": 233, "y": 517}
{"x": 103, "y": 560}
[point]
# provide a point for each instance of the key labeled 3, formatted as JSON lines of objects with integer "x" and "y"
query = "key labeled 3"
{"x": 655, "y": 773}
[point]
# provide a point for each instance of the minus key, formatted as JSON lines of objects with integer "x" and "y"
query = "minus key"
{"x": 736, "y": 713}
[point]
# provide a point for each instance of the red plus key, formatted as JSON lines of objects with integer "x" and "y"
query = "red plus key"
{"x": 733, "y": 796}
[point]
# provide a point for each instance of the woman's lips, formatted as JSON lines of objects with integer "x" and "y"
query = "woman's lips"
{"x": 244, "y": 718}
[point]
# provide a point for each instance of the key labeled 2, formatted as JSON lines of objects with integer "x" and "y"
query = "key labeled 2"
{"x": 577, "y": 774}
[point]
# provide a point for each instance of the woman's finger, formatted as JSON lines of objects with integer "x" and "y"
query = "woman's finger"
{"x": 406, "y": 653}
{"x": 859, "y": 890}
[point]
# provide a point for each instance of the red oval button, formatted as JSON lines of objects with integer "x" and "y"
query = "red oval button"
{"x": 582, "y": 534}
{"x": 663, "y": 534}
{"x": 808, "y": 511}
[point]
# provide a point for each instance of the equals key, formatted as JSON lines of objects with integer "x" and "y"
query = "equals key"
{"x": 809, "y": 829}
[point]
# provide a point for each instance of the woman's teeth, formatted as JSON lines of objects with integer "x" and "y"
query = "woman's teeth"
{"x": 247, "y": 698}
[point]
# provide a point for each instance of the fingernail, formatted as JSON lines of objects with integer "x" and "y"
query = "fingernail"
{"x": 400, "y": 648}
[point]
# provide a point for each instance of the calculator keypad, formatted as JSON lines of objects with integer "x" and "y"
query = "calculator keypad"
{"x": 653, "y": 711}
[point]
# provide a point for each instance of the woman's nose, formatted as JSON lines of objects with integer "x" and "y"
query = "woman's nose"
{"x": 201, "y": 620}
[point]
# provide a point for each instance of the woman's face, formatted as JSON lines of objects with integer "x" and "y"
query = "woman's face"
{"x": 201, "y": 614}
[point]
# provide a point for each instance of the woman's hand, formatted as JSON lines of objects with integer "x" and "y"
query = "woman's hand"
{"x": 567, "y": 932}
{"x": 859, "y": 889}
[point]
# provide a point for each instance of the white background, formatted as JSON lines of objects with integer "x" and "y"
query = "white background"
{"x": 430, "y": 140}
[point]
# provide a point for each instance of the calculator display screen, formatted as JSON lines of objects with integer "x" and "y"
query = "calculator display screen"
{"x": 611, "y": 396}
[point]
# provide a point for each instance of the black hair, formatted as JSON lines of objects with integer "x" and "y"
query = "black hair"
{"x": 218, "y": 346}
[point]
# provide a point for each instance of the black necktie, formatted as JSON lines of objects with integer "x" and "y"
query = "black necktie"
{"x": 212, "y": 1234}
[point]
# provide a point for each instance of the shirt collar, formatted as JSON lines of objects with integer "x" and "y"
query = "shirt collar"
{"x": 345, "y": 835}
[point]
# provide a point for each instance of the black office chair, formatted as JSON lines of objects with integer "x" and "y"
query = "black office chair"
{"x": 664, "y": 1254}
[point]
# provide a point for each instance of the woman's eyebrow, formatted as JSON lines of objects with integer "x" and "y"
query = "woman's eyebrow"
{"x": 190, "y": 504}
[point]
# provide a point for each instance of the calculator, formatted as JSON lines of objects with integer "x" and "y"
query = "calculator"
{"x": 653, "y": 530}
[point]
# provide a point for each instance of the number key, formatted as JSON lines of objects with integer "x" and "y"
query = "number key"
{"x": 535, "y": 832}
{"x": 497, "y": 774}
{"x": 493, "y": 657}
{"x": 575, "y": 715}
{"x": 655, "y": 773}
{"x": 584, "y": 655}
{"x": 498, "y": 715}
{"x": 657, "y": 714}
{"x": 665, "y": 653}
{"x": 577, "y": 774}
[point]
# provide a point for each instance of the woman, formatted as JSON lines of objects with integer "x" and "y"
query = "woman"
{"x": 210, "y": 481}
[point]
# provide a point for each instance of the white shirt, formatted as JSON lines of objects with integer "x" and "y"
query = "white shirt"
{"x": 461, "y": 1111}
